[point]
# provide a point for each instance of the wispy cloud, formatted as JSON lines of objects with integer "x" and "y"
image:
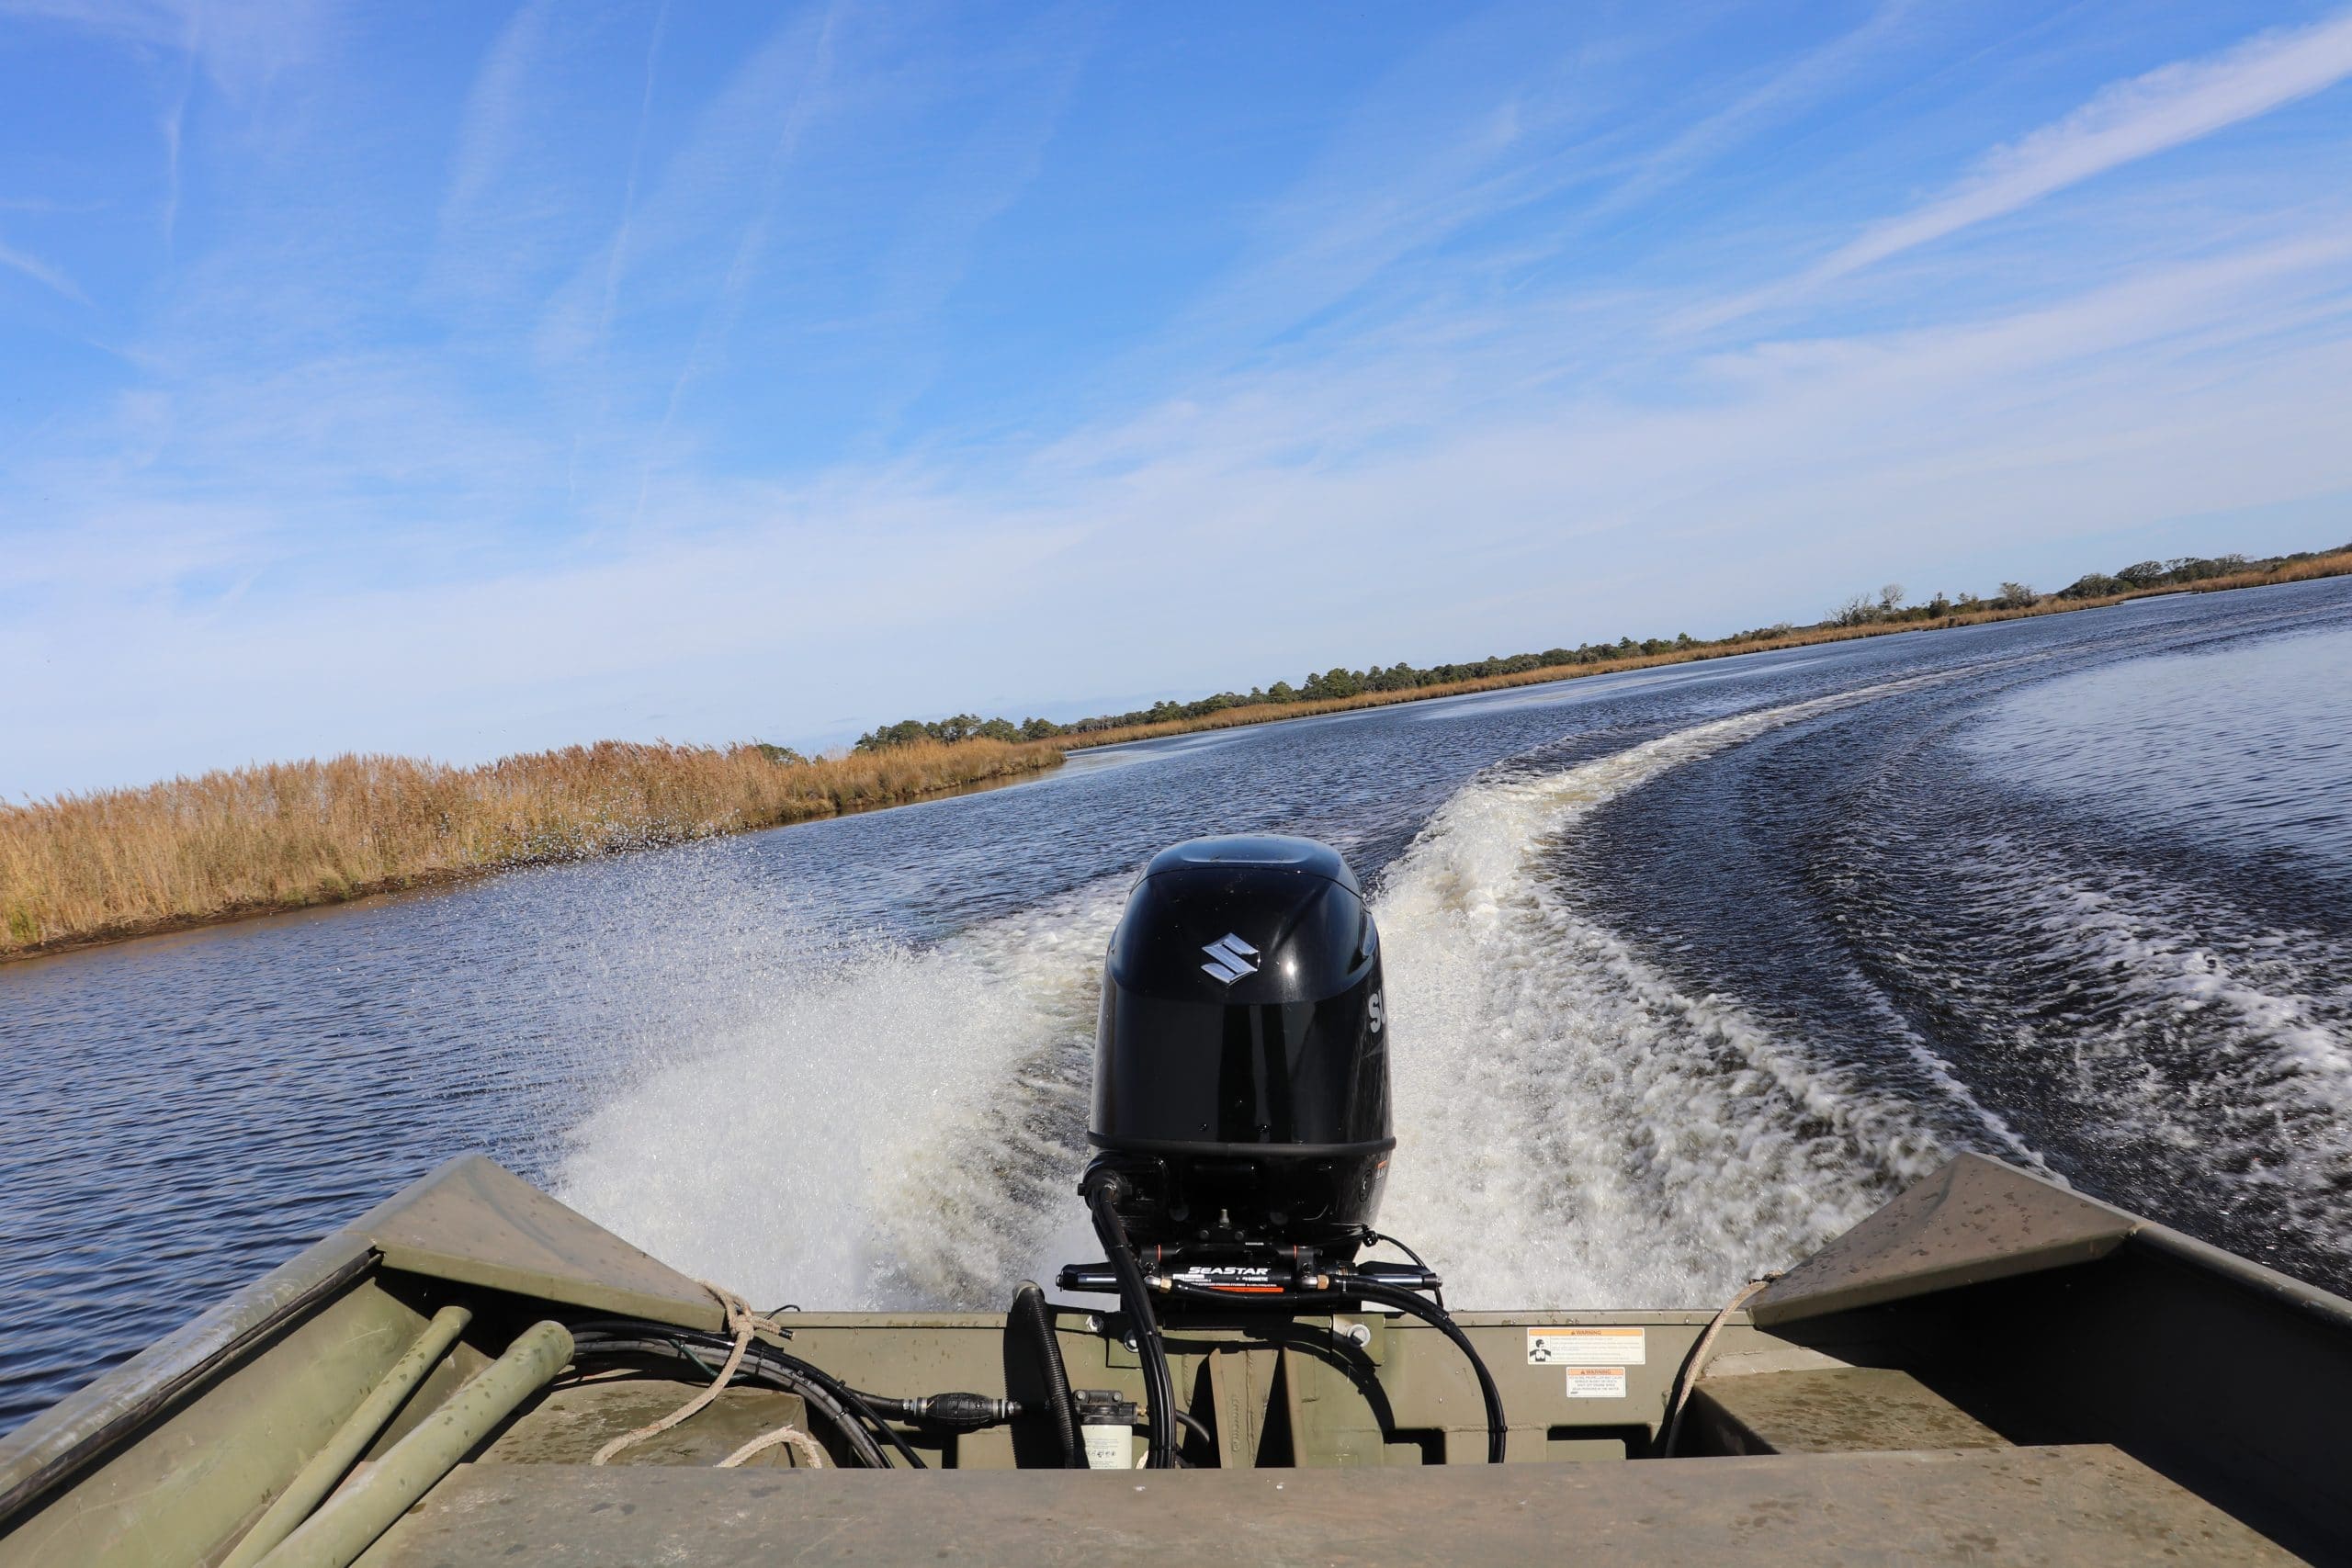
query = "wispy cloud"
{"x": 41, "y": 272}
{"x": 617, "y": 258}
{"x": 242, "y": 48}
{"x": 808, "y": 55}
{"x": 172, "y": 125}
{"x": 755, "y": 371}
{"x": 1786, "y": 90}
{"x": 2126, "y": 122}
{"x": 480, "y": 211}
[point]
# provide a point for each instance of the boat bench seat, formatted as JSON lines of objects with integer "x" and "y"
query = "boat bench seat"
{"x": 2086, "y": 1507}
{"x": 566, "y": 1426}
{"x": 1828, "y": 1411}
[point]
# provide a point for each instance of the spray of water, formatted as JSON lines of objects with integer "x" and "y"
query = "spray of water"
{"x": 896, "y": 1127}
{"x": 905, "y": 1129}
{"x": 1574, "y": 1127}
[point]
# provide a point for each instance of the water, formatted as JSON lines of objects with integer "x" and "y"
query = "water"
{"x": 1689, "y": 969}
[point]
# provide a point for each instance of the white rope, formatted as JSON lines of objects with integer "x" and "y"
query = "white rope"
{"x": 811, "y": 1456}
{"x": 744, "y": 1322}
{"x": 1697, "y": 1363}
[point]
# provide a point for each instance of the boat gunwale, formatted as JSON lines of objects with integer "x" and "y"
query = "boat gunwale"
{"x": 63, "y": 1443}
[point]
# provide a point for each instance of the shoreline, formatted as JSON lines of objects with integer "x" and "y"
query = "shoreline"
{"x": 2336, "y": 564}
{"x": 835, "y": 787}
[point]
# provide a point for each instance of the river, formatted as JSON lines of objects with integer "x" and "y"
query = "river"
{"x": 1688, "y": 968}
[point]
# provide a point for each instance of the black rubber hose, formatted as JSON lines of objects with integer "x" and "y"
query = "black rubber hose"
{"x": 624, "y": 1339}
{"x": 1438, "y": 1294}
{"x": 1160, "y": 1389}
{"x": 1031, "y": 1315}
{"x": 846, "y": 1395}
{"x": 815, "y": 1398}
{"x": 1193, "y": 1423}
{"x": 1498, "y": 1428}
{"x": 1347, "y": 1289}
{"x": 838, "y": 1401}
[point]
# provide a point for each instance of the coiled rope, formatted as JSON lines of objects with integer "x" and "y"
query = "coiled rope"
{"x": 743, "y": 1323}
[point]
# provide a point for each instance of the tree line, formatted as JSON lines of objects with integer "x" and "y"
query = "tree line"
{"x": 1890, "y": 603}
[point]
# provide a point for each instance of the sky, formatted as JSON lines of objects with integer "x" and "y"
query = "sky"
{"x": 458, "y": 380}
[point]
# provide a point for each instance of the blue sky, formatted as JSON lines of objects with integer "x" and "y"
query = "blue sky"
{"x": 466, "y": 380}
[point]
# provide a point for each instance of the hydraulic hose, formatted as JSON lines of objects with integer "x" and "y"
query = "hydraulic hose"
{"x": 1437, "y": 1293}
{"x": 1345, "y": 1288}
{"x": 1194, "y": 1424}
{"x": 1031, "y": 1315}
{"x": 1103, "y": 1192}
{"x": 1356, "y": 1285}
{"x": 845, "y": 1395}
{"x": 627, "y": 1338}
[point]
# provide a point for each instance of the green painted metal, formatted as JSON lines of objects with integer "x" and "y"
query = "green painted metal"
{"x": 1983, "y": 1302}
{"x": 1973, "y": 1221}
{"x": 64, "y": 1442}
{"x": 473, "y": 1222}
{"x": 333, "y": 1462}
{"x": 349, "y": 1524}
{"x": 177, "y": 1486}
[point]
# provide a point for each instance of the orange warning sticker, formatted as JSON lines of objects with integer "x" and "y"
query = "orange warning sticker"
{"x": 1596, "y": 1382}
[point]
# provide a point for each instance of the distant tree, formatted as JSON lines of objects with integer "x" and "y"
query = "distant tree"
{"x": 1333, "y": 684}
{"x": 1890, "y": 598}
{"x": 2144, "y": 574}
{"x": 1039, "y": 729}
{"x": 2197, "y": 569}
{"x": 2017, "y": 596}
{"x": 1938, "y": 606}
{"x": 2093, "y": 585}
{"x": 1858, "y": 610}
{"x": 783, "y": 755}
{"x": 1282, "y": 692}
{"x": 906, "y": 732}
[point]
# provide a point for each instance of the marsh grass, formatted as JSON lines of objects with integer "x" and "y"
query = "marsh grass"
{"x": 84, "y": 868}
{"x": 278, "y": 836}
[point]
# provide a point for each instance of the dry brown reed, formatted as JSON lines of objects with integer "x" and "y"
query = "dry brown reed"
{"x": 278, "y": 836}
{"x": 111, "y": 863}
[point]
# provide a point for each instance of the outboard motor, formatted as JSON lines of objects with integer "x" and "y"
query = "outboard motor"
{"x": 1242, "y": 1058}
{"x": 1242, "y": 1107}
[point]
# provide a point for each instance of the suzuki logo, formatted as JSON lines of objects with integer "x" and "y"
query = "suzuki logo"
{"x": 1230, "y": 958}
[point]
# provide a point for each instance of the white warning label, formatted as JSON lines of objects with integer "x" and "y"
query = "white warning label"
{"x": 1607, "y": 1347}
{"x": 1596, "y": 1382}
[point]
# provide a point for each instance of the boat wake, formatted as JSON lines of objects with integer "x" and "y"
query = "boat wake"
{"x": 1577, "y": 1126}
{"x": 2172, "y": 1051}
{"x": 905, "y": 1128}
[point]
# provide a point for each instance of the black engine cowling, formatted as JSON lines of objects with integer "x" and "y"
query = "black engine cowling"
{"x": 1242, "y": 1058}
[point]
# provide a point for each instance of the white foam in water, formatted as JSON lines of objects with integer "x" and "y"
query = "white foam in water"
{"x": 2269, "y": 1095}
{"x": 882, "y": 1132}
{"x": 906, "y": 1128}
{"x": 1575, "y": 1130}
